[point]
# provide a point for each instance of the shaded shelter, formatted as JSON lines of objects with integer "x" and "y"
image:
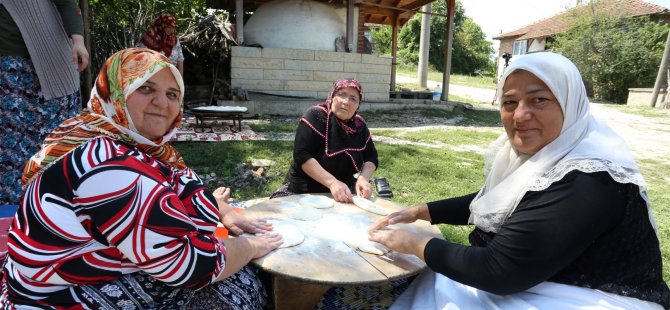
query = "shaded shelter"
{"x": 394, "y": 13}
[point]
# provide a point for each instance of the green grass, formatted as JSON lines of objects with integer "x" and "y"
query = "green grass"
{"x": 416, "y": 174}
{"x": 657, "y": 175}
{"x": 222, "y": 158}
{"x": 466, "y": 80}
{"x": 465, "y": 117}
{"x": 269, "y": 127}
{"x": 454, "y": 137}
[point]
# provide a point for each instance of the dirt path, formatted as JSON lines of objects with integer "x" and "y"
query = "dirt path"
{"x": 647, "y": 137}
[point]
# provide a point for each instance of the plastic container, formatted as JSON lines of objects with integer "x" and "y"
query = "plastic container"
{"x": 437, "y": 93}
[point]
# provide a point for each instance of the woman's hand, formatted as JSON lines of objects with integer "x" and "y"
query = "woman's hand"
{"x": 79, "y": 52}
{"x": 341, "y": 192}
{"x": 238, "y": 224}
{"x": 401, "y": 241}
{"x": 363, "y": 188}
{"x": 222, "y": 194}
{"x": 265, "y": 243}
{"x": 239, "y": 251}
{"x": 408, "y": 215}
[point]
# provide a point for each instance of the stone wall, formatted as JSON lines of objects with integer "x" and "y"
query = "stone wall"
{"x": 307, "y": 74}
{"x": 642, "y": 96}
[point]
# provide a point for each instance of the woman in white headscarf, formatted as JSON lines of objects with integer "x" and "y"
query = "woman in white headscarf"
{"x": 562, "y": 222}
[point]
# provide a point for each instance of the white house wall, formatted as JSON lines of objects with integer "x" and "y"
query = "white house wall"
{"x": 536, "y": 45}
{"x": 296, "y": 24}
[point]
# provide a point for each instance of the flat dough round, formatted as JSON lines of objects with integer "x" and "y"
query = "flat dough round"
{"x": 316, "y": 201}
{"x": 292, "y": 235}
{"x": 372, "y": 247}
{"x": 303, "y": 213}
{"x": 287, "y": 204}
{"x": 370, "y": 206}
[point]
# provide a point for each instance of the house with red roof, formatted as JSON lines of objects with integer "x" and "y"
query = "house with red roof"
{"x": 534, "y": 37}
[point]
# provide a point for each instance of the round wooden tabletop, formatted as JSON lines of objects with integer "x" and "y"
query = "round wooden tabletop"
{"x": 327, "y": 255}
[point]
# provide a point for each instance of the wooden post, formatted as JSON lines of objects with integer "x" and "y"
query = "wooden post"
{"x": 661, "y": 72}
{"x": 394, "y": 48}
{"x": 424, "y": 45}
{"x": 239, "y": 21}
{"x": 448, "y": 39}
{"x": 351, "y": 46}
{"x": 87, "y": 84}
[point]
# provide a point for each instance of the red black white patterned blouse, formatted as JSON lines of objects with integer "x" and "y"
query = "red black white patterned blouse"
{"x": 105, "y": 210}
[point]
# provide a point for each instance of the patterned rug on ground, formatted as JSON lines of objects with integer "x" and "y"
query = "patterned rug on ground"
{"x": 222, "y": 130}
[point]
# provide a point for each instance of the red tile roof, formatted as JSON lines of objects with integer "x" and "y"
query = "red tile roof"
{"x": 561, "y": 22}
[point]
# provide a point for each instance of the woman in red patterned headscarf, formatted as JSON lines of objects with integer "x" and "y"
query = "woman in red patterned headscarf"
{"x": 110, "y": 211}
{"x": 161, "y": 37}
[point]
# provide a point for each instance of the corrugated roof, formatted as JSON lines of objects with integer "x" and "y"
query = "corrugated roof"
{"x": 561, "y": 22}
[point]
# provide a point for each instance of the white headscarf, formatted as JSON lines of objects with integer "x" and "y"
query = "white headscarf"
{"x": 585, "y": 143}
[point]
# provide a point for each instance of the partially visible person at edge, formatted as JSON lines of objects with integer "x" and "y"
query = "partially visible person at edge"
{"x": 161, "y": 37}
{"x": 562, "y": 222}
{"x": 41, "y": 52}
{"x": 333, "y": 150}
{"x": 112, "y": 217}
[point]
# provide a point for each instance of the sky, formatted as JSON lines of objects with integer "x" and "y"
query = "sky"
{"x": 494, "y": 16}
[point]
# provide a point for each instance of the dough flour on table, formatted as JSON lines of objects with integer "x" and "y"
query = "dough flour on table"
{"x": 302, "y": 213}
{"x": 316, "y": 201}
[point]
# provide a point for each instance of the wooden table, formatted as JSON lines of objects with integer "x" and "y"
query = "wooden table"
{"x": 203, "y": 114}
{"x": 303, "y": 273}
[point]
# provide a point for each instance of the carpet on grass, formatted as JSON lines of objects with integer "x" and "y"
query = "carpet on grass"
{"x": 218, "y": 130}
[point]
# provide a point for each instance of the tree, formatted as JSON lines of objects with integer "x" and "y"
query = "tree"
{"x": 471, "y": 52}
{"x": 381, "y": 36}
{"x": 613, "y": 53}
{"x": 119, "y": 24}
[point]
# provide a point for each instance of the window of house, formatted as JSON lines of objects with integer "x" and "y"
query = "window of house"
{"x": 520, "y": 47}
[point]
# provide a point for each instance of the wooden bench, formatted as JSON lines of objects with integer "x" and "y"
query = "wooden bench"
{"x": 213, "y": 113}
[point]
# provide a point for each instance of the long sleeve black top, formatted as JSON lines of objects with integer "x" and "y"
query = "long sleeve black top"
{"x": 308, "y": 144}
{"x": 585, "y": 230}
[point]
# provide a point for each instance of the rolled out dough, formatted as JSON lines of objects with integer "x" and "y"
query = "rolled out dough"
{"x": 370, "y": 206}
{"x": 372, "y": 247}
{"x": 292, "y": 235}
{"x": 367, "y": 246}
{"x": 315, "y": 201}
{"x": 303, "y": 213}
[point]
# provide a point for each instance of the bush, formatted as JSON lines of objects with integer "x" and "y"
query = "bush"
{"x": 614, "y": 53}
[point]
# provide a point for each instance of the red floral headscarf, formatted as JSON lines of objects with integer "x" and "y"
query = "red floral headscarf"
{"x": 339, "y": 136}
{"x": 107, "y": 115}
{"x": 156, "y": 39}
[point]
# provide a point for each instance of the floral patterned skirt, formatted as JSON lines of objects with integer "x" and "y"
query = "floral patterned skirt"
{"x": 26, "y": 118}
{"x": 363, "y": 297}
{"x": 241, "y": 291}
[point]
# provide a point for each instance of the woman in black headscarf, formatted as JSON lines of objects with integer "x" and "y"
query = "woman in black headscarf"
{"x": 333, "y": 150}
